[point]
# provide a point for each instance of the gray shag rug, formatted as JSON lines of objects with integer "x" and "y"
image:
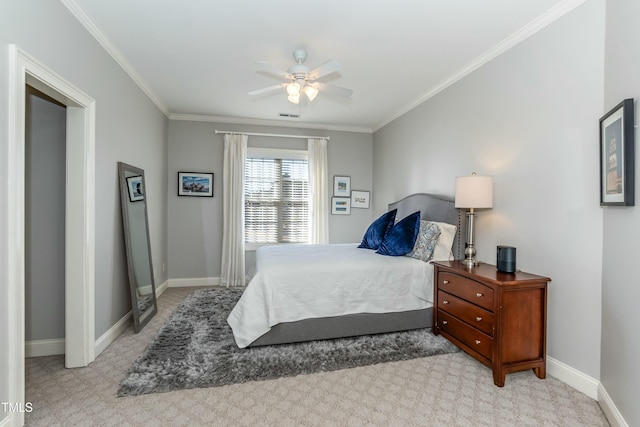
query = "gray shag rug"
{"x": 195, "y": 348}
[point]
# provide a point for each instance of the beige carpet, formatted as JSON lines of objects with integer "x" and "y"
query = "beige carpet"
{"x": 446, "y": 390}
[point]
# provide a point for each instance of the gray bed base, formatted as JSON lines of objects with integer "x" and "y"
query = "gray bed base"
{"x": 431, "y": 207}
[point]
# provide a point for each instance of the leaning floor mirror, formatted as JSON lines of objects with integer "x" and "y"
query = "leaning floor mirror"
{"x": 137, "y": 245}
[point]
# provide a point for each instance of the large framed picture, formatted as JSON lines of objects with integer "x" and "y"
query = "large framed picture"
{"x": 196, "y": 184}
{"x": 617, "y": 168}
{"x": 360, "y": 199}
{"x": 340, "y": 206}
{"x": 342, "y": 186}
{"x": 136, "y": 188}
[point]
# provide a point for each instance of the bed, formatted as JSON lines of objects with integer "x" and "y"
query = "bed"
{"x": 369, "y": 296}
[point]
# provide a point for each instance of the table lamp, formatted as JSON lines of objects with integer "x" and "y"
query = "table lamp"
{"x": 473, "y": 192}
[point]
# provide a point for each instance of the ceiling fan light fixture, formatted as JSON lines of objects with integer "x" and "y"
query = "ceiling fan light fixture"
{"x": 294, "y": 99}
{"x": 299, "y": 79}
{"x": 311, "y": 92}
{"x": 293, "y": 89}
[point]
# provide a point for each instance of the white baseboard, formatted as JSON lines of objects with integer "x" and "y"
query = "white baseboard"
{"x": 41, "y": 348}
{"x": 198, "y": 281}
{"x": 53, "y": 347}
{"x": 589, "y": 386}
{"x": 121, "y": 325}
{"x": 163, "y": 287}
{"x": 6, "y": 421}
{"x": 114, "y": 332}
{"x": 572, "y": 377}
{"x": 609, "y": 408}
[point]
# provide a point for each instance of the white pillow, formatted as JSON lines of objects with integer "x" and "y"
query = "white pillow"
{"x": 442, "y": 252}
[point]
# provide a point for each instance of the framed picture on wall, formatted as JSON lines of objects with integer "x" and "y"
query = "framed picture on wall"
{"x": 617, "y": 167}
{"x": 340, "y": 206}
{"x": 196, "y": 184}
{"x": 342, "y": 186}
{"x": 360, "y": 199}
{"x": 136, "y": 188}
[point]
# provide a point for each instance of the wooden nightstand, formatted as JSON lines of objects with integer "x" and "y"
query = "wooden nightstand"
{"x": 498, "y": 318}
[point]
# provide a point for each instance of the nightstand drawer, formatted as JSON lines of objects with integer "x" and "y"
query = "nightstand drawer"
{"x": 467, "y": 312}
{"x": 473, "y": 338}
{"x": 467, "y": 289}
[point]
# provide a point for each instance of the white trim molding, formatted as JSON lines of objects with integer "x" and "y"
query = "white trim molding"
{"x": 194, "y": 282}
{"x": 111, "y": 49}
{"x": 80, "y": 212}
{"x": 121, "y": 325}
{"x": 609, "y": 408}
{"x": 523, "y": 33}
{"x": 589, "y": 386}
{"x": 160, "y": 289}
{"x": 39, "y": 348}
{"x": 267, "y": 122}
{"x": 114, "y": 332}
{"x": 573, "y": 378}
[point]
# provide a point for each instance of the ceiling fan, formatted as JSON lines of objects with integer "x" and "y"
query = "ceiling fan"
{"x": 302, "y": 80}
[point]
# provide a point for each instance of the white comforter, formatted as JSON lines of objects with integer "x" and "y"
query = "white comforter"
{"x": 296, "y": 282}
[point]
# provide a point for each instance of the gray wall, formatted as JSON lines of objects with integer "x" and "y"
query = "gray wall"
{"x": 620, "y": 373}
{"x": 45, "y": 152}
{"x": 195, "y": 224}
{"x": 129, "y": 128}
{"x": 529, "y": 118}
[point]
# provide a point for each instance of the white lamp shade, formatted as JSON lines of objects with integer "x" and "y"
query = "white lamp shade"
{"x": 294, "y": 99}
{"x": 474, "y": 192}
{"x": 311, "y": 92}
{"x": 293, "y": 89}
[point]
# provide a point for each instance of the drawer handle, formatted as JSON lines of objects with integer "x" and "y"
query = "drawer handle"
{"x": 477, "y": 341}
{"x": 445, "y": 302}
{"x": 479, "y": 295}
{"x": 446, "y": 282}
{"x": 479, "y": 319}
{"x": 444, "y": 322}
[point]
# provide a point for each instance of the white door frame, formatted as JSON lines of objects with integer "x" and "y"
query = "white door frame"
{"x": 79, "y": 218}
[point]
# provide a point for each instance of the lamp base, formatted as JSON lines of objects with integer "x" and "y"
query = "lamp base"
{"x": 470, "y": 256}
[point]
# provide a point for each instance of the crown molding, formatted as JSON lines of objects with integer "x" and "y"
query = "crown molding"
{"x": 111, "y": 49}
{"x": 523, "y": 33}
{"x": 266, "y": 122}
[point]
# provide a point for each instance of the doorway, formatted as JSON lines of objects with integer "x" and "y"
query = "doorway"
{"x": 45, "y": 171}
{"x": 79, "y": 218}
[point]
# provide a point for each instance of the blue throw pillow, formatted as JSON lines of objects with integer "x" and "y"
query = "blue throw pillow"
{"x": 402, "y": 236}
{"x": 377, "y": 230}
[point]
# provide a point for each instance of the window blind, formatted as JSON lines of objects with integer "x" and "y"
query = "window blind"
{"x": 276, "y": 200}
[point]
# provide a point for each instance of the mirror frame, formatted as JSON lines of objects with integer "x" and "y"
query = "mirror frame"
{"x": 138, "y": 322}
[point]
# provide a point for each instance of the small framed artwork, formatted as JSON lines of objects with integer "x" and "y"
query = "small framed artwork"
{"x": 342, "y": 186}
{"x": 340, "y": 206}
{"x": 617, "y": 167}
{"x": 360, "y": 199}
{"x": 195, "y": 184}
{"x": 136, "y": 188}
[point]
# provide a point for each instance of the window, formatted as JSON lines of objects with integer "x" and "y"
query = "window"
{"x": 276, "y": 190}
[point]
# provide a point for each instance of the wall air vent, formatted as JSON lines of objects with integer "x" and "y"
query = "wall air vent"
{"x": 294, "y": 115}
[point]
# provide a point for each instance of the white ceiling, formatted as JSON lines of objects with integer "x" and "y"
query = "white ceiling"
{"x": 196, "y": 58}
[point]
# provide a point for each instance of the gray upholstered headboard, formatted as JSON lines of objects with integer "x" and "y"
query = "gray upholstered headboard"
{"x": 436, "y": 208}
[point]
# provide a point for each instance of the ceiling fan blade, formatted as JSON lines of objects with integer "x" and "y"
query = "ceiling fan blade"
{"x": 331, "y": 66}
{"x": 267, "y": 89}
{"x": 336, "y": 90}
{"x": 272, "y": 69}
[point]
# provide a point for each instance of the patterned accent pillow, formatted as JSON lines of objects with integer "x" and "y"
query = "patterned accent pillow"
{"x": 426, "y": 241}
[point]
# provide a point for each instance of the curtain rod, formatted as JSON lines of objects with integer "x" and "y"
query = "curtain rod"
{"x": 274, "y": 134}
